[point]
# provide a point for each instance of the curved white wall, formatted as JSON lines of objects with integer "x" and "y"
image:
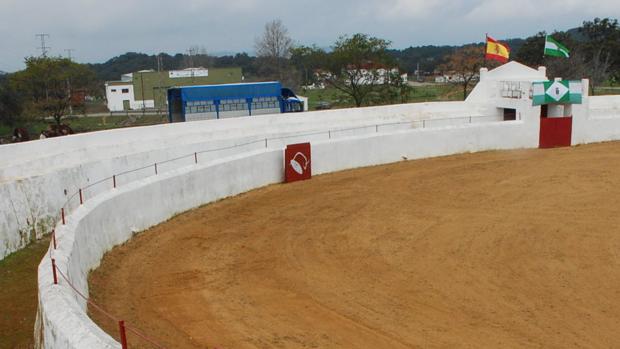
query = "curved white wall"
{"x": 109, "y": 219}
{"x": 37, "y": 177}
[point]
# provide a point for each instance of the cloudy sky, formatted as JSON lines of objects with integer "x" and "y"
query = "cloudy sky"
{"x": 100, "y": 29}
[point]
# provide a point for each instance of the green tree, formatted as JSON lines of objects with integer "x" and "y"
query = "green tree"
{"x": 358, "y": 66}
{"x": 531, "y": 53}
{"x": 47, "y": 84}
{"x": 394, "y": 90}
{"x": 464, "y": 64}
{"x": 307, "y": 60}
{"x": 601, "y": 50}
{"x": 10, "y": 103}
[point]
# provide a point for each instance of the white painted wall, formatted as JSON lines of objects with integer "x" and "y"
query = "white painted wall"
{"x": 597, "y": 119}
{"x": 34, "y": 175}
{"x": 103, "y": 223}
{"x": 115, "y": 96}
{"x": 110, "y": 218}
{"x": 34, "y": 157}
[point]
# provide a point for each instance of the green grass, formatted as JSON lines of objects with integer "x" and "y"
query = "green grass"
{"x": 85, "y": 124}
{"x": 427, "y": 93}
{"x": 608, "y": 90}
{"x": 18, "y": 298}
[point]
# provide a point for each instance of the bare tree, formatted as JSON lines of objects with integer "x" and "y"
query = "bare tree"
{"x": 275, "y": 45}
{"x": 464, "y": 65}
{"x": 197, "y": 56}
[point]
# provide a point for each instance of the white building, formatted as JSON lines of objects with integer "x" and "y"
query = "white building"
{"x": 120, "y": 95}
{"x": 453, "y": 78}
{"x": 377, "y": 76}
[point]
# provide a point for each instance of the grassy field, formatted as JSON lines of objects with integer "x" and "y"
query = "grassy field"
{"x": 426, "y": 93}
{"x": 607, "y": 90}
{"x": 18, "y": 299}
{"x": 86, "y": 124}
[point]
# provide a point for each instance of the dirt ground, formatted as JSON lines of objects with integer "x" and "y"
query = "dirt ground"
{"x": 18, "y": 295}
{"x": 508, "y": 249}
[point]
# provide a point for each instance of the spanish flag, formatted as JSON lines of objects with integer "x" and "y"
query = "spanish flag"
{"x": 497, "y": 50}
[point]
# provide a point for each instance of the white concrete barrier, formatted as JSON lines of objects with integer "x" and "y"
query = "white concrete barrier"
{"x": 112, "y": 217}
{"x": 37, "y": 178}
{"x": 596, "y": 120}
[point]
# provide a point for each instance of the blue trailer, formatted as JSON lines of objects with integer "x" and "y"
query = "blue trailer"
{"x": 208, "y": 102}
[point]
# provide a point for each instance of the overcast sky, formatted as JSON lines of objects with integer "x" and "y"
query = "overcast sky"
{"x": 100, "y": 29}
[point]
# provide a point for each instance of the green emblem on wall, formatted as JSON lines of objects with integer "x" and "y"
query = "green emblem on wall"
{"x": 556, "y": 92}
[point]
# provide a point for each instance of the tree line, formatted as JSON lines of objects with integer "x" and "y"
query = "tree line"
{"x": 594, "y": 54}
{"x": 363, "y": 68}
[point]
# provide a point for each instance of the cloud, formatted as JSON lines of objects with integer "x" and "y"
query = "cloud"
{"x": 99, "y": 30}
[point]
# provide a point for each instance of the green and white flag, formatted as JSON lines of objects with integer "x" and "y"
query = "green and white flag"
{"x": 555, "y": 49}
{"x": 556, "y": 92}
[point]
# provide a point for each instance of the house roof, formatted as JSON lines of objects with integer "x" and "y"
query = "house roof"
{"x": 515, "y": 71}
{"x": 119, "y": 83}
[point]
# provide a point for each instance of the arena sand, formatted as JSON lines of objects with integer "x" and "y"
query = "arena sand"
{"x": 506, "y": 249}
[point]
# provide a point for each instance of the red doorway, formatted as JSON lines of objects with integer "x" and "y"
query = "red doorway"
{"x": 555, "y": 132}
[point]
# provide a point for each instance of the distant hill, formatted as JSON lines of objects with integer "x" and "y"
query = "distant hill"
{"x": 123, "y": 64}
{"x": 430, "y": 57}
{"x": 133, "y": 61}
{"x": 576, "y": 35}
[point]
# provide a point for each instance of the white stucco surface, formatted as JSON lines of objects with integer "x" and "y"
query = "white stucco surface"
{"x": 104, "y": 222}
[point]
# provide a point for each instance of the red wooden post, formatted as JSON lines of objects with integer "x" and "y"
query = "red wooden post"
{"x": 196, "y": 158}
{"x": 54, "y": 237}
{"x": 62, "y": 214}
{"x": 54, "y": 271}
{"x": 121, "y": 329}
{"x": 155, "y": 168}
{"x": 81, "y": 197}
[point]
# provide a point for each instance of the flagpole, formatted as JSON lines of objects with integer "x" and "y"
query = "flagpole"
{"x": 486, "y": 47}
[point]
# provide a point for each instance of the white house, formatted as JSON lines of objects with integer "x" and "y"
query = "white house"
{"x": 377, "y": 76}
{"x": 452, "y": 77}
{"x": 120, "y": 95}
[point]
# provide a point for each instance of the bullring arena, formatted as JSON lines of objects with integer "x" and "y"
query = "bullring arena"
{"x": 424, "y": 225}
{"x": 498, "y": 249}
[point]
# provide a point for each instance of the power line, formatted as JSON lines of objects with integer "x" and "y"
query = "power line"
{"x": 44, "y": 49}
{"x": 69, "y": 50}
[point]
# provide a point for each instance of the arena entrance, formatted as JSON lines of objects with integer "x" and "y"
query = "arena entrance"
{"x": 555, "y": 131}
{"x": 556, "y": 99}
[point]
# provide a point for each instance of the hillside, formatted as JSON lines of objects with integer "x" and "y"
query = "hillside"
{"x": 428, "y": 56}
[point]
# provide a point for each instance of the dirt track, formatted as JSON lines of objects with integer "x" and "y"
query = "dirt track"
{"x": 498, "y": 250}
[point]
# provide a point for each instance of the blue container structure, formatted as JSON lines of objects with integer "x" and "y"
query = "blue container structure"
{"x": 231, "y": 100}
